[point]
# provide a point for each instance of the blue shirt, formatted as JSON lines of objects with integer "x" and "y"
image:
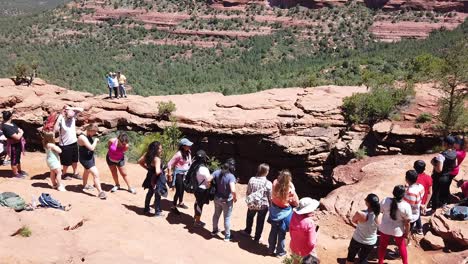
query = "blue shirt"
{"x": 223, "y": 190}
{"x": 112, "y": 82}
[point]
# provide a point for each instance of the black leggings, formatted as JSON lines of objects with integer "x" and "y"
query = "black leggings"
{"x": 362, "y": 250}
{"x": 440, "y": 190}
{"x": 201, "y": 197}
{"x": 179, "y": 186}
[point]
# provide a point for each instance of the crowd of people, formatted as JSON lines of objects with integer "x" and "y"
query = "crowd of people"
{"x": 394, "y": 217}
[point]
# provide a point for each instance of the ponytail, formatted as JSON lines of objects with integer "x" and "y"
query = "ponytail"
{"x": 398, "y": 194}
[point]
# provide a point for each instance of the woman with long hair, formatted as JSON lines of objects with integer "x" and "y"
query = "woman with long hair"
{"x": 282, "y": 199}
{"x": 53, "y": 160}
{"x": 115, "y": 159}
{"x": 204, "y": 178}
{"x": 443, "y": 166}
{"x": 180, "y": 163}
{"x": 15, "y": 144}
{"x": 395, "y": 223}
{"x": 86, "y": 146}
{"x": 365, "y": 235}
{"x": 151, "y": 161}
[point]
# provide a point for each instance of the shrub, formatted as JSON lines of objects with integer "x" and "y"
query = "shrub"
{"x": 360, "y": 153}
{"x": 423, "y": 118}
{"x": 165, "y": 109}
{"x": 25, "y": 231}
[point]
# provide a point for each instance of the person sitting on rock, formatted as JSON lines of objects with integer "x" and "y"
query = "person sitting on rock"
{"x": 413, "y": 196}
{"x": 15, "y": 144}
{"x": 395, "y": 223}
{"x": 87, "y": 145}
{"x": 302, "y": 228}
{"x": 115, "y": 159}
{"x": 443, "y": 165}
{"x": 365, "y": 235}
{"x": 283, "y": 197}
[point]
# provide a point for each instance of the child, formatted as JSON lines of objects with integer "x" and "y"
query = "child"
{"x": 53, "y": 161}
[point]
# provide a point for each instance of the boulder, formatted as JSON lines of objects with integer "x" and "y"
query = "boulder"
{"x": 435, "y": 242}
{"x": 455, "y": 233}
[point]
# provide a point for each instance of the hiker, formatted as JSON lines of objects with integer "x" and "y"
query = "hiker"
{"x": 225, "y": 196}
{"x": 180, "y": 163}
{"x": 413, "y": 196}
{"x": 199, "y": 170}
{"x": 110, "y": 84}
{"x": 461, "y": 148}
{"x": 258, "y": 198}
{"x": 15, "y": 144}
{"x": 66, "y": 125}
{"x": 122, "y": 82}
{"x": 395, "y": 223}
{"x": 3, "y": 150}
{"x": 87, "y": 145}
{"x": 443, "y": 164}
{"x": 115, "y": 159}
{"x": 155, "y": 179}
{"x": 115, "y": 85}
{"x": 426, "y": 181}
{"x": 365, "y": 236}
{"x": 53, "y": 160}
{"x": 302, "y": 228}
{"x": 283, "y": 197}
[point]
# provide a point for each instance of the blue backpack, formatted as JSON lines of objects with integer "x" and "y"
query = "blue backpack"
{"x": 458, "y": 213}
{"x": 47, "y": 201}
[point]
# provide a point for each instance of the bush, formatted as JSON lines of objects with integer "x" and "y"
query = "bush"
{"x": 423, "y": 118}
{"x": 360, "y": 153}
{"x": 165, "y": 109}
{"x": 25, "y": 231}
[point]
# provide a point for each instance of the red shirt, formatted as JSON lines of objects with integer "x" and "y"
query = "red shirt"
{"x": 461, "y": 154}
{"x": 426, "y": 181}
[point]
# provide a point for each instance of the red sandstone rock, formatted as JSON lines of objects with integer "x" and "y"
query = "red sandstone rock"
{"x": 454, "y": 232}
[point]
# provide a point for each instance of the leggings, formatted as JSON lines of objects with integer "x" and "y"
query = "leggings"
{"x": 157, "y": 200}
{"x": 179, "y": 186}
{"x": 440, "y": 190}
{"x": 400, "y": 242}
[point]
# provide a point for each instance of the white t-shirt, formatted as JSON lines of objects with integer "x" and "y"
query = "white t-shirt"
{"x": 67, "y": 132}
{"x": 204, "y": 177}
{"x": 413, "y": 197}
{"x": 394, "y": 227}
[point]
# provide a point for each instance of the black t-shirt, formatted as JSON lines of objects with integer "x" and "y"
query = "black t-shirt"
{"x": 9, "y": 130}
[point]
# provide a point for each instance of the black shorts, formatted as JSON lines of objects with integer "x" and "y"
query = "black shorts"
{"x": 121, "y": 162}
{"x": 69, "y": 154}
{"x": 15, "y": 154}
{"x": 88, "y": 164}
{"x": 362, "y": 250}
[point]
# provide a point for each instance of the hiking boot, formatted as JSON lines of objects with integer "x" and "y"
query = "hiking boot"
{"x": 102, "y": 195}
{"x": 88, "y": 188}
{"x": 132, "y": 190}
{"x": 182, "y": 205}
{"x": 115, "y": 188}
{"x": 61, "y": 188}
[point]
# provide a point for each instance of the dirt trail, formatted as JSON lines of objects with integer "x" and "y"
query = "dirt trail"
{"x": 115, "y": 231}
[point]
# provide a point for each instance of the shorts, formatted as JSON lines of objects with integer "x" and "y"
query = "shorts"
{"x": 88, "y": 163}
{"x": 69, "y": 154}
{"x": 356, "y": 248}
{"x": 15, "y": 154}
{"x": 121, "y": 162}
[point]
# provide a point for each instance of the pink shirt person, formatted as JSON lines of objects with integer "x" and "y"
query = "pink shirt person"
{"x": 302, "y": 228}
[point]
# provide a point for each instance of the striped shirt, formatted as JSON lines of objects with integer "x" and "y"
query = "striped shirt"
{"x": 261, "y": 183}
{"x": 414, "y": 195}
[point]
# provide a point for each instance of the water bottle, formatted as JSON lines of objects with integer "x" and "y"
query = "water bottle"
{"x": 33, "y": 202}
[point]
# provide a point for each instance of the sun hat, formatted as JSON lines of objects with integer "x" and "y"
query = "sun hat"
{"x": 306, "y": 205}
{"x": 185, "y": 142}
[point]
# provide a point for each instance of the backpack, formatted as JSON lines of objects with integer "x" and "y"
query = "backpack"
{"x": 458, "y": 213}
{"x": 190, "y": 182}
{"x": 49, "y": 124}
{"x": 47, "y": 201}
{"x": 12, "y": 200}
{"x": 254, "y": 200}
{"x": 449, "y": 162}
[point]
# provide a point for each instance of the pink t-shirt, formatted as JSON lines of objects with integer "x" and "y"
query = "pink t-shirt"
{"x": 461, "y": 154}
{"x": 303, "y": 235}
{"x": 115, "y": 153}
{"x": 426, "y": 181}
{"x": 178, "y": 162}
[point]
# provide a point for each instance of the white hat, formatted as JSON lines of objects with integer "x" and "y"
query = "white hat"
{"x": 306, "y": 205}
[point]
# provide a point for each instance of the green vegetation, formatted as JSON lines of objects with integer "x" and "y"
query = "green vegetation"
{"x": 424, "y": 118}
{"x": 360, "y": 153}
{"x": 165, "y": 109}
{"x": 25, "y": 231}
{"x": 17, "y": 7}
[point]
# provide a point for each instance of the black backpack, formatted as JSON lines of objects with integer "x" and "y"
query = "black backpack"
{"x": 450, "y": 161}
{"x": 190, "y": 181}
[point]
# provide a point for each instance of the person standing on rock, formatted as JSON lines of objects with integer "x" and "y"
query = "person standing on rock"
{"x": 365, "y": 236}
{"x": 155, "y": 180}
{"x": 199, "y": 168}
{"x": 303, "y": 229}
{"x": 258, "y": 199}
{"x": 66, "y": 125}
{"x": 115, "y": 159}
{"x": 413, "y": 196}
{"x": 177, "y": 169}
{"x": 443, "y": 164}
{"x": 460, "y": 148}
{"x": 426, "y": 181}
{"x": 110, "y": 84}
{"x": 87, "y": 145}
{"x": 122, "y": 82}
{"x": 225, "y": 197}
{"x": 283, "y": 198}
{"x": 53, "y": 161}
{"x": 15, "y": 144}
{"x": 395, "y": 223}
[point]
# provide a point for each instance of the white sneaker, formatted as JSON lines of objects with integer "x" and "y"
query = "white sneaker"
{"x": 115, "y": 188}
{"x": 132, "y": 190}
{"x": 61, "y": 188}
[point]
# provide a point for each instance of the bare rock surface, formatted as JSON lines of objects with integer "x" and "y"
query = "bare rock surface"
{"x": 454, "y": 232}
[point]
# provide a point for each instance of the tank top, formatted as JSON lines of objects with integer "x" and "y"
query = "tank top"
{"x": 366, "y": 233}
{"x": 115, "y": 153}
{"x": 67, "y": 132}
{"x": 52, "y": 158}
{"x": 84, "y": 152}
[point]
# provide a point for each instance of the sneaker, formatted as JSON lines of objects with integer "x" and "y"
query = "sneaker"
{"x": 25, "y": 174}
{"x": 88, "y": 188}
{"x": 6, "y": 162}
{"x": 214, "y": 232}
{"x": 67, "y": 178}
{"x": 159, "y": 214}
{"x": 182, "y": 205}
{"x": 227, "y": 239}
{"x": 198, "y": 224}
{"x": 115, "y": 188}
{"x": 18, "y": 176}
{"x": 102, "y": 195}
{"x": 77, "y": 176}
{"x": 61, "y": 188}
{"x": 280, "y": 255}
{"x": 419, "y": 231}
{"x": 132, "y": 190}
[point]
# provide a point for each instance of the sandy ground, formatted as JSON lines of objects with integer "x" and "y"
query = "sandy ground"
{"x": 116, "y": 231}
